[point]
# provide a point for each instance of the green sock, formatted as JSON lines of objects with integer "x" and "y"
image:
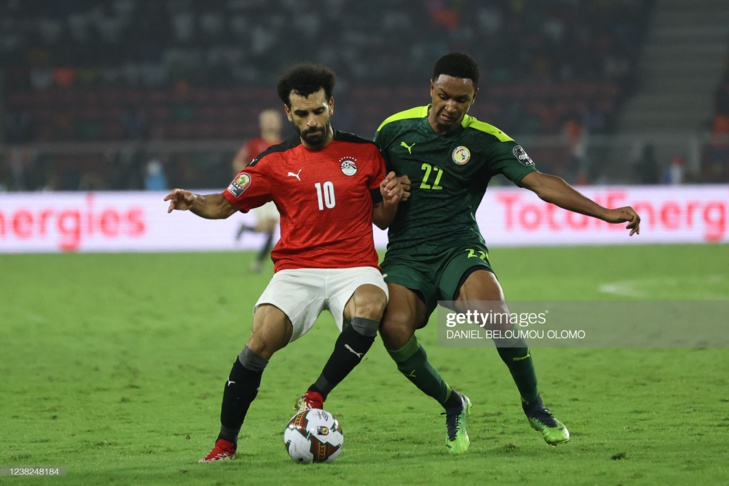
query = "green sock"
{"x": 412, "y": 361}
{"x": 521, "y": 366}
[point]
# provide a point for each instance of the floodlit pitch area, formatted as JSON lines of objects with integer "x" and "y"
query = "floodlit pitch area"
{"x": 113, "y": 366}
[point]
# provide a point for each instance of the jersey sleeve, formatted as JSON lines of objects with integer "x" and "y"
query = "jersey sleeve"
{"x": 250, "y": 188}
{"x": 378, "y": 168}
{"x": 377, "y": 174}
{"x": 511, "y": 160}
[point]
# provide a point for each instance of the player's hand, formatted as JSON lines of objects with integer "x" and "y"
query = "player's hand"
{"x": 393, "y": 190}
{"x": 180, "y": 199}
{"x": 622, "y": 215}
{"x": 405, "y": 183}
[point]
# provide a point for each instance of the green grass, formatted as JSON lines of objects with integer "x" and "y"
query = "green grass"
{"x": 113, "y": 366}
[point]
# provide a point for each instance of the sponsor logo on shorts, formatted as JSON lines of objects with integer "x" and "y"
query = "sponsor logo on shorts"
{"x": 348, "y": 165}
{"x": 239, "y": 184}
{"x": 461, "y": 155}
{"x": 522, "y": 156}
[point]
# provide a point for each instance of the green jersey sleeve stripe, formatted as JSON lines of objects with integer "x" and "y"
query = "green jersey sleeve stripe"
{"x": 417, "y": 112}
{"x": 471, "y": 122}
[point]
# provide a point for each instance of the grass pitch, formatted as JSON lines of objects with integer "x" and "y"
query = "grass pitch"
{"x": 113, "y": 366}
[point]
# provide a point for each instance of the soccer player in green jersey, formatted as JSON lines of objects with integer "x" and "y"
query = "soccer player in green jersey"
{"x": 436, "y": 251}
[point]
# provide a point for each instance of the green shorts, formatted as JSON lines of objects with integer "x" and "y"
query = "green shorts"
{"x": 435, "y": 277}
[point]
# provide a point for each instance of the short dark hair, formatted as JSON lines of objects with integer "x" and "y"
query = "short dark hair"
{"x": 458, "y": 65}
{"x": 304, "y": 79}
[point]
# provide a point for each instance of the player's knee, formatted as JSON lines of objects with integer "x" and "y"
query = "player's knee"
{"x": 256, "y": 345}
{"x": 370, "y": 303}
{"x": 262, "y": 346}
{"x": 371, "y": 311}
{"x": 396, "y": 328}
{"x": 395, "y": 319}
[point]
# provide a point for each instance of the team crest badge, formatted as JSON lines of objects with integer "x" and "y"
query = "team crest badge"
{"x": 461, "y": 155}
{"x": 522, "y": 156}
{"x": 348, "y": 166}
{"x": 239, "y": 184}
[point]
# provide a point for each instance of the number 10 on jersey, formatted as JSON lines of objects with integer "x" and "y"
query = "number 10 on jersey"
{"x": 325, "y": 195}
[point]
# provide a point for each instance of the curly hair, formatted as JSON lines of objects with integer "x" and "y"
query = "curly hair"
{"x": 304, "y": 79}
{"x": 458, "y": 65}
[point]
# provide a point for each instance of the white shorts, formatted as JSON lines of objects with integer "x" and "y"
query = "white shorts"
{"x": 302, "y": 294}
{"x": 266, "y": 212}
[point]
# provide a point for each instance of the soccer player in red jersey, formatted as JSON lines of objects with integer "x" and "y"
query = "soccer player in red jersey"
{"x": 267, "y": 217}
{"x": 270, "y": 125}
{"x": 329, "y": 187}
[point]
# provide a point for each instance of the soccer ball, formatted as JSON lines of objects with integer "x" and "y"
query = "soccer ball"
{"x": 313, "y": 436}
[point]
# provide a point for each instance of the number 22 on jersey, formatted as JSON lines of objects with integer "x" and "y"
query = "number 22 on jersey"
{"x": 437, "y": 174}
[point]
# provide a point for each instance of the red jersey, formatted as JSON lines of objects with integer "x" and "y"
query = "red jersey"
{"x": 325, "y": 198}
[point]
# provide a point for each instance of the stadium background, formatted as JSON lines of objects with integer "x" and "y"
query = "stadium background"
{"x": 91, "y": 92}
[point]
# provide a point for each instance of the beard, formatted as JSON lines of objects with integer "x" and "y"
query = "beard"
{"x": 315, "y": 137}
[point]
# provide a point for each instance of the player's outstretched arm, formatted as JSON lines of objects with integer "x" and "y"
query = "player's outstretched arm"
{"x": 393, "y": 189}
{"x": 555, "y": 190}
{"x": 211, "y": 206}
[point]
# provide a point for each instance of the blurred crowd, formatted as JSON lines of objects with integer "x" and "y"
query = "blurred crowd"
{"x": 229, "y": 43}
{"x": 83, "y": 70}
{"x": 144, "y": 53}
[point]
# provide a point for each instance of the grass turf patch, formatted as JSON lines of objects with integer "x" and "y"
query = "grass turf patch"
{"x": 113, "y": 366}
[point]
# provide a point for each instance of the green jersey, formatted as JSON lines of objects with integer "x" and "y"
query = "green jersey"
{"x": 449, "y": 175}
